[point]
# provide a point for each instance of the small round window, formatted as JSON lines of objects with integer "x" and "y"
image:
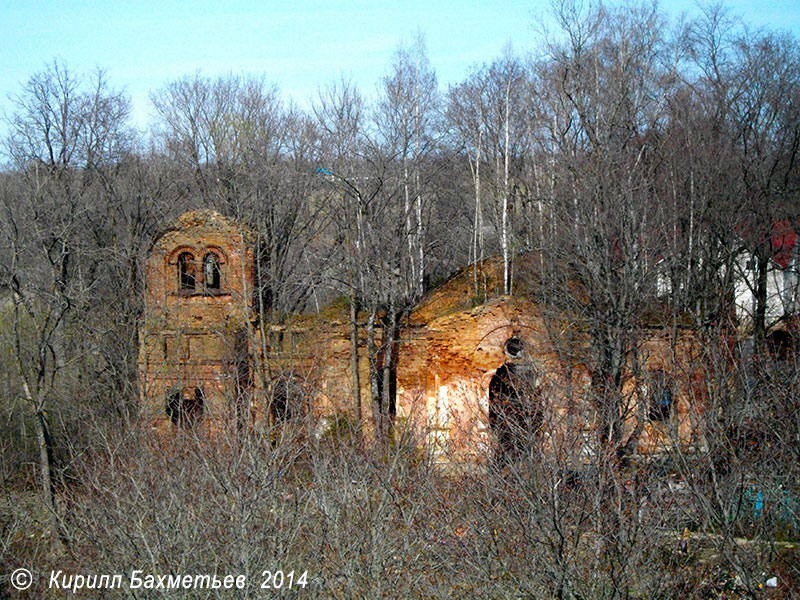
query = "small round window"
{"x": 514, "y": 347}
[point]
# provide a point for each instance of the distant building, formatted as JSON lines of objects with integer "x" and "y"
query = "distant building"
{"x": 782, "y": 281}
{"x": 468, "y": 377}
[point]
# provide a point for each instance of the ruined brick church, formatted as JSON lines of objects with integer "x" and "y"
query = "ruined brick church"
{"x": 205, "y": 358}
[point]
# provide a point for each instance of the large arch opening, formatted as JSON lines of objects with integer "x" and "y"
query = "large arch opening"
{"x": 515, "y": 412}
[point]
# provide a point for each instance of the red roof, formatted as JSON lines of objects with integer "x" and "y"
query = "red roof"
{"x": 784, "y": 239}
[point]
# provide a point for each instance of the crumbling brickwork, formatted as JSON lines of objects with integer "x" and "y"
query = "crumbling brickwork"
{"x": 195, "y": 348}
{"x": 461, "y": 365}
{"x": 452, "y": 354}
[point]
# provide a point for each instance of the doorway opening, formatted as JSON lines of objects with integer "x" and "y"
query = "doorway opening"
{"x": 515, "y": 412}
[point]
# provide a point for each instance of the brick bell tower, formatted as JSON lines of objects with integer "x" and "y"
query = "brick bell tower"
{"x": 194, "y": 339}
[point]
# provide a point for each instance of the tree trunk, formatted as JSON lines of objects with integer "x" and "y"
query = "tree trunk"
{"x": 356, "y": 379}
{"x": 477, "y": 239}
{"x": 44, "y": 446}
{"x": 760, "y": 316}
{"x": 387, "y": 393}
{"x": 45, "y": 462}
{"x": 375, "y": 391}
{"x": 506, "y": 270}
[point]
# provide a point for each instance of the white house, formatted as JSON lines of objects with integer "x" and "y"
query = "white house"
{"x": 783, "y": 280}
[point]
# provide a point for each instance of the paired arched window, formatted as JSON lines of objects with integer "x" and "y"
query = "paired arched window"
{"x": 195, "y": 276}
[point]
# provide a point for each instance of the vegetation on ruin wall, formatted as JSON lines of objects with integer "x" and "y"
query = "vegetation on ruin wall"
{"x": 624, "y": 152}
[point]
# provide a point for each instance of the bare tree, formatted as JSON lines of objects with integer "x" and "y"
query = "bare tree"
{"x": 62, "y": 136}
{"x": 465, "y": 113}
{"x": 406, "y": 119}
{"x": 612, "y": 83}
{"x": 339, "y": 114}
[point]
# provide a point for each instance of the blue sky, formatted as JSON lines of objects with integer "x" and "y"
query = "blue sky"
{"x": 298, "y": 45}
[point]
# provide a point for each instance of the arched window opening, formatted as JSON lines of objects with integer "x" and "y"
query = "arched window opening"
{"x": 186, "y": 277}
{"x": 515, "y": 413}
{"x": 185, "y": 407}
{"x": 659, "y": 396}
{"x": 287, "y": 401}
{"x": 211, "y": 272}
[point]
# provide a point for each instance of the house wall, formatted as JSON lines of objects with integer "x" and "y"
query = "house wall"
{"x": 445, "y": 366}
{"x": 783, "y": 289}
{"x": 314, "y": 351}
